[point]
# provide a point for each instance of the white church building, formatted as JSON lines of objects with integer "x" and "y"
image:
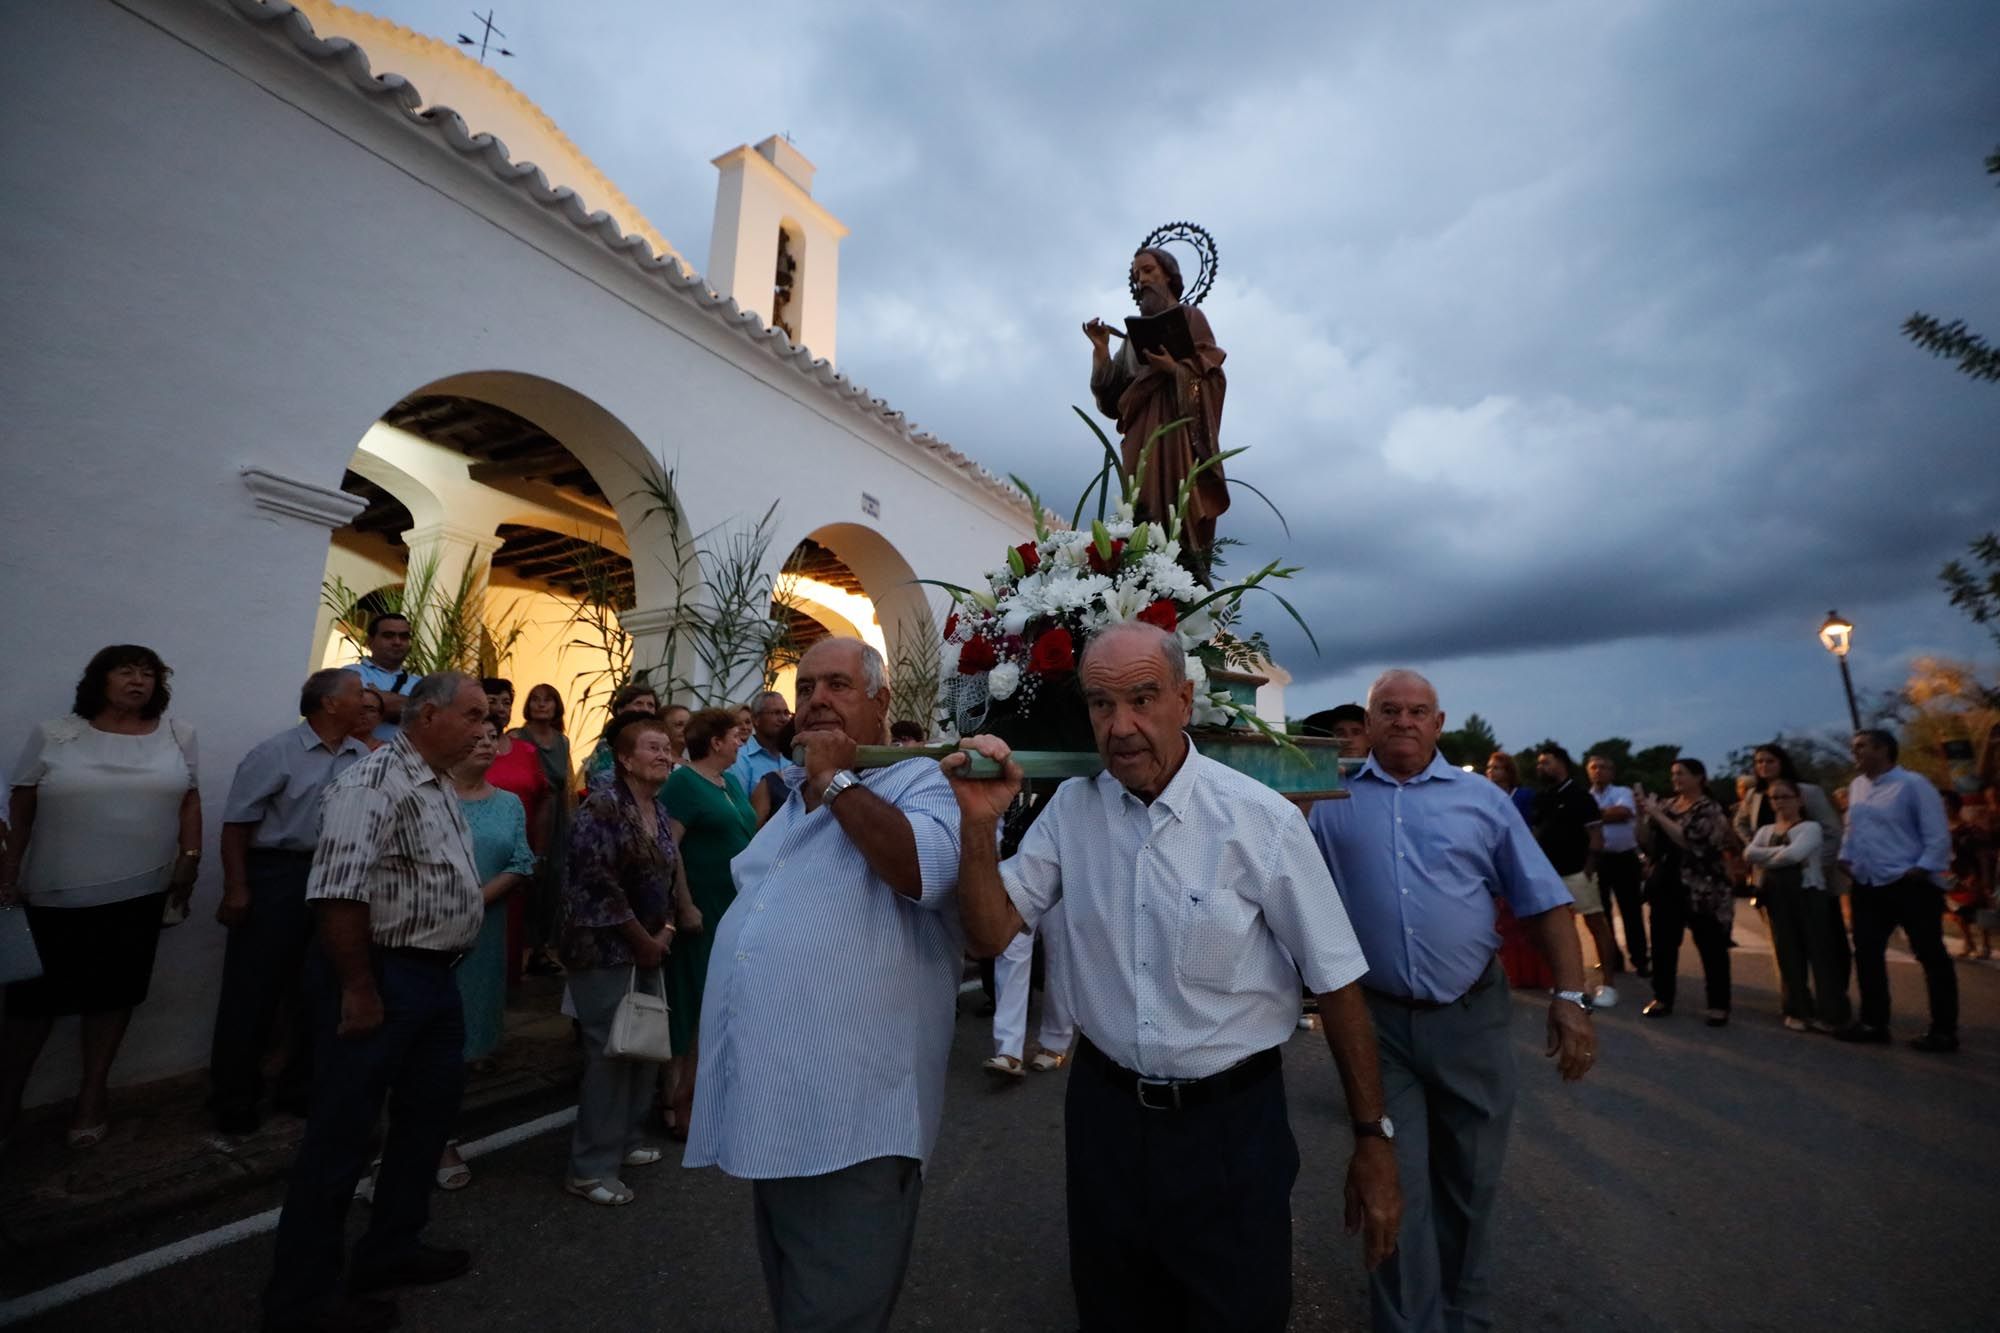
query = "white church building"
{"x": 295, "y": 294}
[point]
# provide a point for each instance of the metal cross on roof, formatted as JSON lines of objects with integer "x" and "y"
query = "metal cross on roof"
{"x": 485, "y": 37}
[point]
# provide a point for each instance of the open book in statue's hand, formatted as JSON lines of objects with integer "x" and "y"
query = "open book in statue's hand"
{"x": 1166, "y": 332}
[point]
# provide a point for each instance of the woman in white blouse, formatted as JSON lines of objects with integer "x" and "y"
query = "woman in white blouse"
{"x": 1807, "y": 934}
{"x": 106, "y": 839}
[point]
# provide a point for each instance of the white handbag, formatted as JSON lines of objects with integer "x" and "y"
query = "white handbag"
{"x": 639, "y": 1029}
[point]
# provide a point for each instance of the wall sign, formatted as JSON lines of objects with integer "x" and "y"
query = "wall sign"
{"x": 870, "y": 505}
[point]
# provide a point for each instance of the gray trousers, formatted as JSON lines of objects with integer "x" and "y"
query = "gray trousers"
{"x": 835, "y": 1247}
{"x": 1449, "y": 1078}
{"x": 611, "y": 1106}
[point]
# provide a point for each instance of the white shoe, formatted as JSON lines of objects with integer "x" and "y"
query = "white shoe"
{"x": 1004, "y": 1066}
{"x": 1603, "y": 998}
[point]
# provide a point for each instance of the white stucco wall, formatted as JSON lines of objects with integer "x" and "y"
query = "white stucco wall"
{"x": 231, "y": 259}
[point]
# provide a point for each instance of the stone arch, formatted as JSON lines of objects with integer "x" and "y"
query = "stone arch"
{"x": 621, "y": 464}
{"x": 887, "y": 579}
{"x": 446, "y": 461}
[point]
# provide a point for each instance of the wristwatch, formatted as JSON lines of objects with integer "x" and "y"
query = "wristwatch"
{"x": 837, "y": 784}
{"x": 1385, "y": 1128}
{"x": 1575, "y": 997}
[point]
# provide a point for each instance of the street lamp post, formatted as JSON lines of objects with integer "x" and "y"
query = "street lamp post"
{"x": 1838, "y": 636}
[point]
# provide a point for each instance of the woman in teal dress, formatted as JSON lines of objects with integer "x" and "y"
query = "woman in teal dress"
{"x": 500, "y": 854}
{"x": 711, "y": 821}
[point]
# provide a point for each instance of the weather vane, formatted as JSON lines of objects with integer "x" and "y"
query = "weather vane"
{"x": 486, "y": 37}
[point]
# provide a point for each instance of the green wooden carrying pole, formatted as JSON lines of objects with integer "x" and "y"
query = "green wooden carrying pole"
{"x": 1310, "y": 769}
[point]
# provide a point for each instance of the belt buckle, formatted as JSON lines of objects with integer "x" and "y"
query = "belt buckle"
{"x": 1173, "y": 1091}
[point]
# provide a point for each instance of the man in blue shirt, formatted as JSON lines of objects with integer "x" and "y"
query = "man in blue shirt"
{"x": 1897, "y": 848}
{"x": 389, "y": 639}
{"x": 1420, "y": 850}
{"x": 769, "y": 716}
{"x": 270, "y": 826}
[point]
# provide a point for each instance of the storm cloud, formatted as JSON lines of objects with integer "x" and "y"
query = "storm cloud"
{"x": 1564, "y": 334}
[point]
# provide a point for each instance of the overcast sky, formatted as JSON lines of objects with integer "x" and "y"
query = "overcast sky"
{"x": 1564, "y": 333}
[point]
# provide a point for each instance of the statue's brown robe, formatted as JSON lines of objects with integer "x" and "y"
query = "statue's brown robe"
{"x": 1142, "y": 399}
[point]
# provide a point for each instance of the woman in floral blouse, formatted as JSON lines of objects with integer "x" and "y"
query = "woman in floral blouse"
{"x": 1688, "y": 837}
{"x": 624, "y": 888}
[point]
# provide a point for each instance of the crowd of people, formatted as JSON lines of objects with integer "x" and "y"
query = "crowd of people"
{"x": 410, "y": 853}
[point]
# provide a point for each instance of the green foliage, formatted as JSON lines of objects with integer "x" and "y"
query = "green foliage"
{"x": 723, "y": 642}
{"x": 1976, "y": 591}
{"x": 914, "y": 676}
{"x": 1823, "y": 760}
{"x": 1975, "y": 356}
{"x": 1469, "y": 744}
{"x": 452, "y": 628}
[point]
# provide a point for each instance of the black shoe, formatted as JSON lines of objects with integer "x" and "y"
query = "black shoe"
{"x": 1657, "y": 1009}
{"x": 1935, "y": 1041}
{"x": 1716, "y": 1020}
{"x": 424, "y": 1266}
{"x": 358, "y": 1314}
{"x": 1861, "y": 1032}
{"x": 1642, "y": 970}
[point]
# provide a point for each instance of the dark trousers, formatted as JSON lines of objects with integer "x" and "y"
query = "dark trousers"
{"x": 1179, "y": 1219}
{"x": 415, "y": 1061}
{"x": 1674, "y": 918}
{"x": 1810, "y": 942}
{"x": 1618, "y": 877}
{"x": 260, "y": 981}
{"x": 1918, "y": 907}
{"x": 835, "y": 1247}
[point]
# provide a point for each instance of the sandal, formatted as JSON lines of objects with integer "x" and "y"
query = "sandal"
{"x": 86, "y": 1136}
{"x": 608, "y": 1193}
{"x": 1003, "y": 1067}
{"x": 1048, "y": 1061}
{"x": 643, "y": 1156}
{"x": 458, "y": 1175}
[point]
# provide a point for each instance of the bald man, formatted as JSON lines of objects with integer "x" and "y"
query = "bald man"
{"x": 1420, "y": 851}
{"x": 1193, "y": 901}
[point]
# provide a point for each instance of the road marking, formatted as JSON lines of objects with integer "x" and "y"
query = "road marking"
{"x": 166, "y": 1256}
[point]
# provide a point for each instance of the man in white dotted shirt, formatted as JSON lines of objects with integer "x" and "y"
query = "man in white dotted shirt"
{"x": 1193, "y": 901}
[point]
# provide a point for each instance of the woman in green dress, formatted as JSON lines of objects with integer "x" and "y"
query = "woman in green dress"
{"x": 712, "y": 821}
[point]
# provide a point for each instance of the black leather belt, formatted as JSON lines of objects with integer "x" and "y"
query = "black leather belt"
{"x": 1177, "y": 1094}
{"x": 1426, "y": 1006}
{"x": 430, "y": 957}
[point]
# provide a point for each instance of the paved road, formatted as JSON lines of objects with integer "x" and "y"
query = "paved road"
{"x": 1741, "y": 1179}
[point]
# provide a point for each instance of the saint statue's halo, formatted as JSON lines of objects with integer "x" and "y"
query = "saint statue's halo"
{"x": 1205, "y": 253}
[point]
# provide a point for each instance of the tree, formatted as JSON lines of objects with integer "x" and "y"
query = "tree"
{"x": 1942, "y": 702}
{"x": 1469, "y": 744}
{"x": 1977, "y": 594}
{"x": 1825, "y": 761}
{"x": 1975, "y": 356}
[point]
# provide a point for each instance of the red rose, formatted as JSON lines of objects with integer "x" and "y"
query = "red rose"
{"x": 976, "y": 656}
{"x": 1031, "y": 559}
{"x": 1105, "y": 564}
{"x": 1053, "y": 653}
{"x": 1162, "y": 613}
{"x": 951, "y": 624}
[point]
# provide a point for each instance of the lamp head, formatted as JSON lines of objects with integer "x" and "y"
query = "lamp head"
{"x": 1836, "y": 633}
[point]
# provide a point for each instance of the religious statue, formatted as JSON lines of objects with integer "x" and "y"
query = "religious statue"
{"x": 1167, "y": 368}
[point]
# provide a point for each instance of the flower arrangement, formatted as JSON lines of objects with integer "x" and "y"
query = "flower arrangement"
{"x": 1009, "y": 645}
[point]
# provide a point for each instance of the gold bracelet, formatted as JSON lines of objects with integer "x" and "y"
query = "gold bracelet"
{"x": 191, "y": 856}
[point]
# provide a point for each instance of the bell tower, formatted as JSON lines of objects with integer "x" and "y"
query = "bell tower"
{"x": 773, "y": 248}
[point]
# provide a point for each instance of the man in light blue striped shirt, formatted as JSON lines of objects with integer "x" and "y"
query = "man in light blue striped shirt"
{"x": 827, "y": 1018}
